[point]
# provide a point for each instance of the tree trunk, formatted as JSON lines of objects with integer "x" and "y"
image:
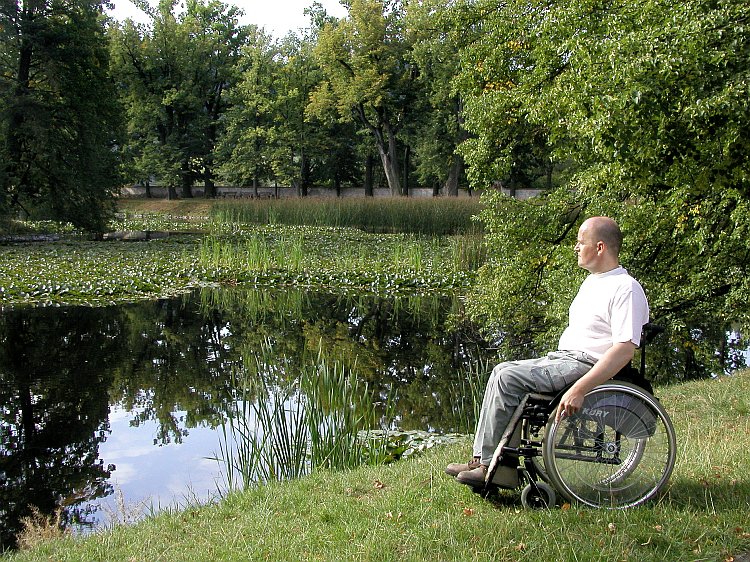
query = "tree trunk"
{"x": 337, "y": 183}
{"x": 387, "y": 145}
{"x": 16, "y": 178}
{"x": 390, "y": 167}
{"x": 187, "y": 187}
{"x": 369, "y": 165}
{"x": 304, "y": 184}
{"x": 451, "y": 184}
{"x": 407, "y": 163}
{"x": 171, "y": 192}
{"x": 186, "y": 181}
{"x": 255, "y": 184}
{"x": 209, "y": 187}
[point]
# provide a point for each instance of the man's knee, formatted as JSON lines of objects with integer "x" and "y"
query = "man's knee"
{"x": 515, "y": 379}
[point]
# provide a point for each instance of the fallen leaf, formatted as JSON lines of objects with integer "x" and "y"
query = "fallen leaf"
{"x": 611, "y": 528}
{"x": 520, "y": 546}
{"x": 468, "y": 512}
{"x": 565, "y": 506}
{"x": 658, "y": 528}
{"x": 378, "y": 485}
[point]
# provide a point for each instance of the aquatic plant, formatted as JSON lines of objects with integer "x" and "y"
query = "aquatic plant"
{"x": 428, "y": 216}
{"x": 279, "y": 431}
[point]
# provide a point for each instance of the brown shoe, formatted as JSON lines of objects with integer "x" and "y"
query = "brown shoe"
{"x": 454, "y": 469}
{"x": 505, "y": 477}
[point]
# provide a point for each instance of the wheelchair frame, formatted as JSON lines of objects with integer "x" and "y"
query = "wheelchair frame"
{"x": 594, "y": 456}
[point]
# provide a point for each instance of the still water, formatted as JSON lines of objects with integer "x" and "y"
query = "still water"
{"x": 117, "y": 411}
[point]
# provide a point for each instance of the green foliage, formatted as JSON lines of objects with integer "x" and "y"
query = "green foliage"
{"x": 645, "y": 110}
{"x": 368, "y": 78}
{"x": 60, "y": 122}
{"x": 530, "y": 276}
{"x": 440, "y": 131}
{"x": 174, "y": 75}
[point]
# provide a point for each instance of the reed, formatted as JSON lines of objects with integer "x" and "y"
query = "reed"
{"x": 283, "y": 431}
{"x": 433, "y": 216}
{"x": 339, "y": 258}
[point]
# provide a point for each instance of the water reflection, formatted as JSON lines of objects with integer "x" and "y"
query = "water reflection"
{"x": 131, "y": 396}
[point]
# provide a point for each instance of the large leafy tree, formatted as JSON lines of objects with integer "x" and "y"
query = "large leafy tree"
{"x": 648, "y": 110}
{"x": 369, "y": 78}
{"x": 174, "y": 76}
{"x": 436, "y": 43}
{"x": 269, "y": 135}
{"x": 59, "y": 115}
{"x": 245, "y": 147}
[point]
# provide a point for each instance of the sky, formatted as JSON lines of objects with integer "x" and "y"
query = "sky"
{"x": 277, "y": 16}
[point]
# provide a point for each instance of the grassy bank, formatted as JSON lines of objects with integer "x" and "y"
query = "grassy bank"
{"x": 411, "y": 511}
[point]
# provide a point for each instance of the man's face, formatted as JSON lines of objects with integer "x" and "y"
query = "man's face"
{"x": 587, "y": 248}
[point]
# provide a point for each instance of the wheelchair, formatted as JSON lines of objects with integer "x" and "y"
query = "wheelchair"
{"x": 618, "y": 451}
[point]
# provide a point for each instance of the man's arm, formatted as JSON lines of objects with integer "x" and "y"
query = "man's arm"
{"x": 614, "y": 359}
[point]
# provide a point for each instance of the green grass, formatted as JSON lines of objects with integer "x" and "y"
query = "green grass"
{"x": 410, "y": 510}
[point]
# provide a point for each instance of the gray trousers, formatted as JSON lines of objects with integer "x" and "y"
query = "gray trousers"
{"x": 511, "y": 381}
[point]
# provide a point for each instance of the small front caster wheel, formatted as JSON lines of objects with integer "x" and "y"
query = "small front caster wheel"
{"x": 538, "y": 496}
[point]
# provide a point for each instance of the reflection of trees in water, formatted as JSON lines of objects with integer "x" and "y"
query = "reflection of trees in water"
{"x": 61, "y": 368}
{"x": 54, "y": 395}
{"x": 411, "y": 349}
{"x": 178, "y": 362}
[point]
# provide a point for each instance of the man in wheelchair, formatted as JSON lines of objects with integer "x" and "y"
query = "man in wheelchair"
{"x": 604, "y": 329}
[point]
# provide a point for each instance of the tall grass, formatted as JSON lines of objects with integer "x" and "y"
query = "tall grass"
{"x": 282, "y": 431}
{"x": 326, "y": 419}
{"x": 434, "y": 216}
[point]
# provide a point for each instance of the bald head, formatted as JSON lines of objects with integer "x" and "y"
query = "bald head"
{"x": 598, "y": 245}
{"x": 606, "y": 230}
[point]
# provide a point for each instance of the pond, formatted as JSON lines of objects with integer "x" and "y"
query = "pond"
{"x": 113, "y": 412}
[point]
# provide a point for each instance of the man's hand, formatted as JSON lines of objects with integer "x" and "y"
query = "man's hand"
{"x": 571, "y": 402}
{"x": 614, "y": 359}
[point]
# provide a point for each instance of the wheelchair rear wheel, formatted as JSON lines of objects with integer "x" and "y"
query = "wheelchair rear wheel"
{"x": 618, "y": 451}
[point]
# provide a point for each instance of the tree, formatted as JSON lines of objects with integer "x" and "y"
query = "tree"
{"x": 648, "y": 109}
{"x": 436, "y": 43}
{"x": 244, "y": 148}
{"x": 368, "y": 77}
{"x": 504, "y": 146}
{"x": 175, "y": 76}
{"x": 60, "y": 118}
{"x": 269, "y": 136}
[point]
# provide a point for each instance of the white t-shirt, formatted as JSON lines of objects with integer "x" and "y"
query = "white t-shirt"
{"x": 609, "y": 308}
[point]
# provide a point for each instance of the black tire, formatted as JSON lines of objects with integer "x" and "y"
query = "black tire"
{"x": 538, "y": 496}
